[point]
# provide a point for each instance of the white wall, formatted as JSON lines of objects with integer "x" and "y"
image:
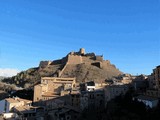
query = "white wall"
{"x": 2, "y": 105}
{"x": 9, "y": 115}
{"x": 90, "y": 88}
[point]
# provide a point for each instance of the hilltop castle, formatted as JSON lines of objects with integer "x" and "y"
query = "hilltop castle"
{"x": 80, "y": 57}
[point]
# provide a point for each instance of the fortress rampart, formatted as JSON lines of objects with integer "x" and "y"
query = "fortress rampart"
{"x": 44, "y": 63}
{"x": 77, "y": 58}
{"x": 74, "y": 59}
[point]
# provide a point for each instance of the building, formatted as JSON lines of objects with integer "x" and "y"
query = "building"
{"x": 11, "y": 103}
{"x": 127, "y": 79}
{"x": 140, "y": 83}
{"x": 75, "y": 98}
{"x": 148, "y": 101}
{"x": 54, "y": 103}
{"x": 90, "y": 86}
{"x": 9, "y": 116}
{"x": 154, "y": 83}
{"x": 84, "y": 100}
{"x": 151, "y": 82}
{"x": 113, "y": 91}
{"x": 29, "y": 112}
{"x": 88, "y": 99}
{"x": 156, "y": 73}
{"x": 52, "y": 87}
{"x": 153, "y": 93}
{"x": 67, "y": 112}
{"x": 12, "y": 107}
{"x": 99, "y": 99}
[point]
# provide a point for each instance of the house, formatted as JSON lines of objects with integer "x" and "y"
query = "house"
{"x": 156, "y": 74}
{"x": 87, "y": 99}
{"x": 113, "y": 91}
{"x": 150, "y": 102}
{"x": 52, "y": 87}
{"x": 75, "y": 98}
{"x": 140, "y": 83}
{"x": 99, "y": 99}
{"x": 67, "y": 112}
{"x": 90, "y": 86}
{"x": 54, "y": 103}
{"x": 29, "y": 112}
{"x": 84, "y": 100}
{"x": 8, "y": 116}
{"x": 12, "y": 107}
{"x": 11, "y": 103}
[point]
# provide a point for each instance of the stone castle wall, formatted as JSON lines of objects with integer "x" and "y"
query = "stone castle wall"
{"x": 55, "y": 62}
{"x": 106, "y": 63}
{"x": 97, "y": 64}
{"x": 44, "y": 63}
{"x": 74, "y": 59}
{"x": 64, "y": 60}
{"x": 99, "y": 58}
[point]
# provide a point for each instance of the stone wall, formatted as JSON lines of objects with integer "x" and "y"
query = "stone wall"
{"x": 99, "y": 58}
{"x": 82, "y": 51}
{"x": 55, "y": 62}
{"x": 106, "y": 63}
{"x": 74, "y": 59}
{"x": 44, "y": 63}
{"x": 97, "y": 64}
{"x": 64, "y": 60}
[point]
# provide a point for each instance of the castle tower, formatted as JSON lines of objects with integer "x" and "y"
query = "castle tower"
{"x": 82, "y": 51}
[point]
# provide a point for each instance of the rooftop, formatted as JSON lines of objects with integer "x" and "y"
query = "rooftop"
{"x": 60, "y": 80}
{"x": 25, "y": 109}
{"x": 17, "y": 100}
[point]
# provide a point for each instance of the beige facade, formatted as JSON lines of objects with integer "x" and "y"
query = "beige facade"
{"x": 74, "y": 59}
{"x": 11, "y": 103}
{"x": 52, "y": 87}
{"x": 82, "y": 51}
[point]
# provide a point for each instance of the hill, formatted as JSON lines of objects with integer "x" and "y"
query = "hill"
{"x": 83, "y": 66}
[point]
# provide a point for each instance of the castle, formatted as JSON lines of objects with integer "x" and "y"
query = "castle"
{"x": 80, "y": 57}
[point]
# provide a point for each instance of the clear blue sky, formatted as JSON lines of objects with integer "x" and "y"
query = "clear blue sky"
{"x": 127, "y": 32}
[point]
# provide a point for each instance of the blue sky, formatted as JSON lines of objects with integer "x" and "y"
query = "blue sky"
{"x": 125, "y": 31}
